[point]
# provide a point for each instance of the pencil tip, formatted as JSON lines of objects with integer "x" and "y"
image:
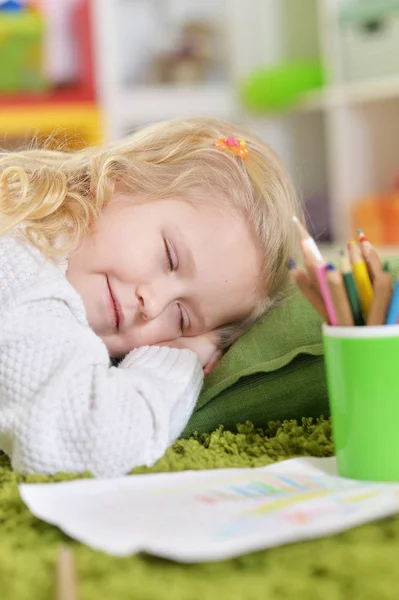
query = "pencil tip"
{"x": 294, "y": 218}
{"x": 291, "y": 263}
{"x": 360, "y": 231}
{"x": 330, "y": 267}
{"x": 362, "y": 237}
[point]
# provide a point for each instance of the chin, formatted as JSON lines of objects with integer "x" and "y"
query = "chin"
{"x": 112, "y": 347}
{"x": 115, "y": 353}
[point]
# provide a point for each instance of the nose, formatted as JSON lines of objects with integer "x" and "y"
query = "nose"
{"x": 142, "y": 305}
{"x": 153, "y": 300}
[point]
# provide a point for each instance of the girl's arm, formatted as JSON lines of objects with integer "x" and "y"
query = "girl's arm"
{"x": 62, "y": 406}
{"x": 205, "y": 346}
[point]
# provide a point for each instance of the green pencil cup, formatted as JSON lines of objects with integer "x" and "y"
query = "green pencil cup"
{"x": 362, "y": 365}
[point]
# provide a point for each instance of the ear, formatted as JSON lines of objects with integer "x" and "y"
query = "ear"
{"x": 213, "y": 361}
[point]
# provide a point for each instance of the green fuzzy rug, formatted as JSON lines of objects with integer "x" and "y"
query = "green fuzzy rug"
{"x": 360, "y": 563}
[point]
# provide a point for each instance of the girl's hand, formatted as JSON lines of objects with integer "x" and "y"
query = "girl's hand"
{"x": 205, "y": 346}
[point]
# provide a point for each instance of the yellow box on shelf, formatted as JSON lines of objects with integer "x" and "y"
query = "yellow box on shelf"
{"x": 80, "y": 121}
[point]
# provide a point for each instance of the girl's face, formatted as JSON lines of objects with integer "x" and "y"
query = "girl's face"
{"x": 154, "y": 271}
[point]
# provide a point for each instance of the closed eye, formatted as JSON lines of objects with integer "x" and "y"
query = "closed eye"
{"x": 181, "y": 324}
{"x": 184, "y": 319}
{"x": 171, "y": 256}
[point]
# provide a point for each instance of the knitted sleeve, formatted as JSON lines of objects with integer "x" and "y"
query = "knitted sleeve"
{"x": 62, "y": 406}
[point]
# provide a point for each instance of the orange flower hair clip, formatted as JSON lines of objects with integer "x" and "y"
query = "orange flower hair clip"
{"x": 233, "y": 145}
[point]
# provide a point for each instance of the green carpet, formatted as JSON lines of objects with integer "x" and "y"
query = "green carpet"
{"x": 361, "y": 563}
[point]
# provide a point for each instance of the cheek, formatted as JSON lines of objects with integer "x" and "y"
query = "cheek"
{"x": 161, "y": 329}
{"x": 132, "y": 263}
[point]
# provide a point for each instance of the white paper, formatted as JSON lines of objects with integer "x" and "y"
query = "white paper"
{"x": 197, "y": 516}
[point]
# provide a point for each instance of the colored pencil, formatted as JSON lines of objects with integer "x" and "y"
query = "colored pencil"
{"x": 66, "y": 575}
{"x": 361, "y": 277}
{"x": 351, "y": 290}
{"x": 370, "y": 256}
{"x": 303, "y": 282}
{"x": 312, "y": 256}
{"x": 393, "y": 309}
{"x": 307, "y": 241}
{"x": 311, "y": 265}
{"x": 325, "y": 292}
{"x": 382, "y": 288}
{"x": 358, "y": 293}
{"x": 339, "y": 297}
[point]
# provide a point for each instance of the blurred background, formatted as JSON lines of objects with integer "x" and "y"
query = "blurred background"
{"x": 318, "y": 79}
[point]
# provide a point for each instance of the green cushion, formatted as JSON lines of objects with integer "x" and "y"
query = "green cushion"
{"x": 274, "y": 371}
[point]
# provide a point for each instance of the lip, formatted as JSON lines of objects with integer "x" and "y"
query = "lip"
{"x": 115, "y": 308}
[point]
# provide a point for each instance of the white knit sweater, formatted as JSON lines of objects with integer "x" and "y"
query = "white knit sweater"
{"x": 63, "y": 407}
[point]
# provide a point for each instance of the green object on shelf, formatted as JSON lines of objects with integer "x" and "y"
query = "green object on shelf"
{"x": 279, "y": 87}
{"x": 21, "y": 52}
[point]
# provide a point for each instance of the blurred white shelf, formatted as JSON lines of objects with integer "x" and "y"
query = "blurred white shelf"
{"x": 311, "y": 101}
{"x": 348, "y": 147}
{"x": 142, "y": 104}
{"x": 364, "y": 91}
{"x": 126, "y": 105}
{"x": 349, "y": 94}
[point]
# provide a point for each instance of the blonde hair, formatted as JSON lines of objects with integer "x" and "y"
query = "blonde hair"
{"x": 58, "y": 195}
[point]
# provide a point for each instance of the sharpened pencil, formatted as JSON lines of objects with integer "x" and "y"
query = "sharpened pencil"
{"x": 361, "y": 277}
{"x": 382, "y": 288}
{"x": 308, "y": 241}
{"x": 393, "y": 309}
{"x": 339, "y": 297}
{"x": 303, "y": 282}
{"x": 325, "y": 292}
{"x": 370, "y": 256}
{"x": 351, "y": 290}
{"x": 310, "y": 264}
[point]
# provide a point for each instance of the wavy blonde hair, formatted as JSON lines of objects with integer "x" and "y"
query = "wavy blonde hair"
{"x": 58, "y": 195}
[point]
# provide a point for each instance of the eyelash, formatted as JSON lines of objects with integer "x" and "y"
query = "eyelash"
{"x": 181, "y": 319}
{"x": 171, "y": 268}
{"x": 169, "y": 258}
